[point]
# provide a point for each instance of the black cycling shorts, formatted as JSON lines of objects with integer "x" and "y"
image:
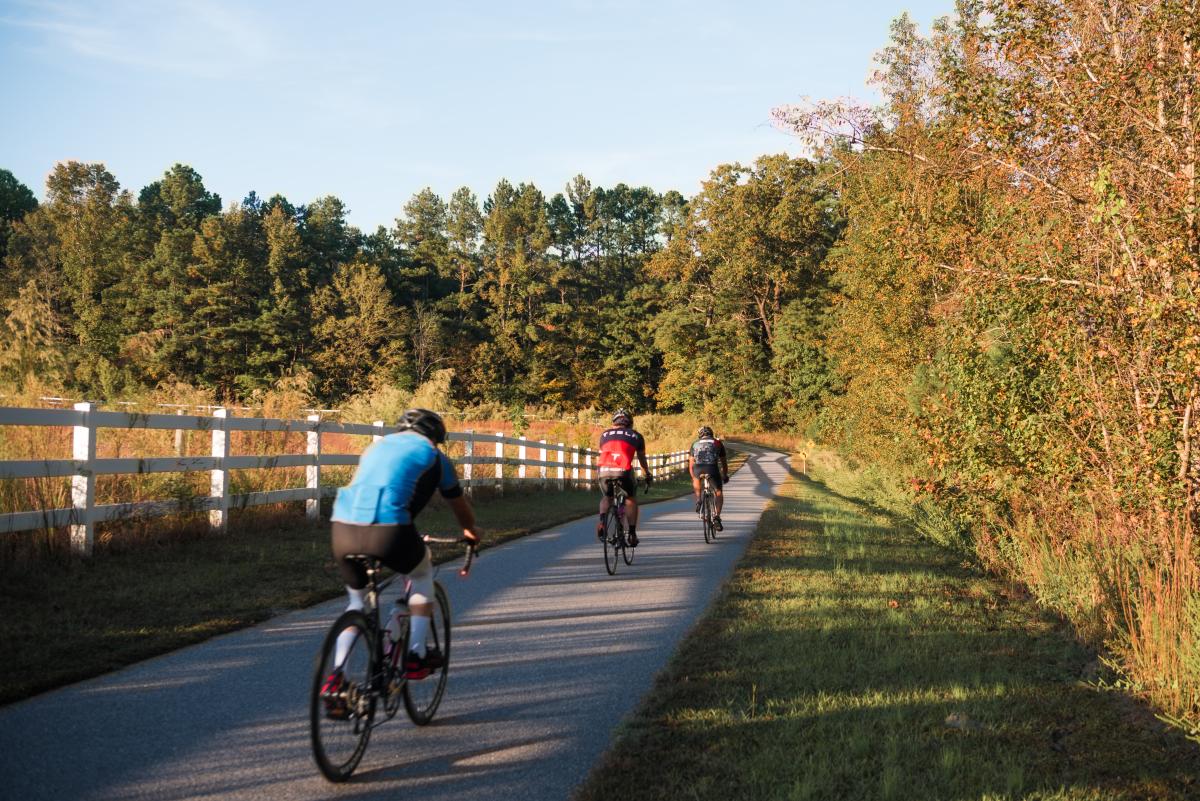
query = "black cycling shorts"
{"x": 625, "y": 479}
{"x": 714, "y": 472}
{"x": 399, "y": 547}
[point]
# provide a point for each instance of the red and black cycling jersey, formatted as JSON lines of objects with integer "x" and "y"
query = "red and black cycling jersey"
{"x": 619, "y": 447}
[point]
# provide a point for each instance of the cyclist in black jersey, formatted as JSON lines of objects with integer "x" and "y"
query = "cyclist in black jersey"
{"x": 708, "y": 457}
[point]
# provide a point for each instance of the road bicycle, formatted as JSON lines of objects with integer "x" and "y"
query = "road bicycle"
{"x": 616, "y": 546}
{"x": 708, "y": 505}
{"x": 343, "y": 704}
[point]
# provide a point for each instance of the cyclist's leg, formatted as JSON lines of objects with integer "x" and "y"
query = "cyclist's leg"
{"x": 606, "y": 494}
{"x": 406, "y": 554}
{"x": 420, "y": 603}
{"x": 631, "y": 506}
{"x": 718, "y": 495}
{"x": 346, "y": 539}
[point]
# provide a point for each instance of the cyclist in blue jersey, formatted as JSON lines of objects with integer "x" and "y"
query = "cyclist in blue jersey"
{"x": 375, "y": 515}
{"x": 707, "y": 456}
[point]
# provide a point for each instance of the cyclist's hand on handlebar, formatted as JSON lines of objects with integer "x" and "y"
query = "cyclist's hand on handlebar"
{"x": 472, "y": 537}
{"x": 649, "y": 479}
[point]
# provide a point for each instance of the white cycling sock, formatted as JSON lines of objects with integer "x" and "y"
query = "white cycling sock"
{"x": 419, "y": 631}
{"x": 345, "y": 640}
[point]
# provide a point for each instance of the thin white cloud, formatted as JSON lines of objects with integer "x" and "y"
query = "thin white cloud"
{"x": 200, "y": 39}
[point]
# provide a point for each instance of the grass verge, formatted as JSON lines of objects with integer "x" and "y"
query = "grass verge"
{"x": 68, "y": 620}
{"x": 849, "y": 659}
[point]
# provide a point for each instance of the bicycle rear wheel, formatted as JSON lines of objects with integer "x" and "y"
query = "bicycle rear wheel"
{"x": 422, "y": 696}
{"x": 612, "y": 536}
{"x": 627, "y": 553}
{"x": 341, "y": 710}
{"x": 710, "y": 531}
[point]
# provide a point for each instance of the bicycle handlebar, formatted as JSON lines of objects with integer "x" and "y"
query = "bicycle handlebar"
{"x": 472, "y": 550}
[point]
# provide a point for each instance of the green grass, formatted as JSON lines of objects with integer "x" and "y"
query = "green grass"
{"x": 68, "y": 620}
{"x": 849, "y": 659}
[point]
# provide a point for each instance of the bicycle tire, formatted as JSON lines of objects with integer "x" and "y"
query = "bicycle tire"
{"x": 612, "y": 536}
{"x": 339, "y": 744}
{"x": 422, "y": 697}
{"x": 627, "y": 553}
{"x": 710, "y": 532}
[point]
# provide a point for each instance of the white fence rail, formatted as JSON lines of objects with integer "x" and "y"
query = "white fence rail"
{"x": 557, "y": 465}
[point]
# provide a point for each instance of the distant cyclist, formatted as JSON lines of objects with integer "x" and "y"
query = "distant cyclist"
{"x": 375, "y": 514}
{"x": 708, "y": 457}
{"x": 618, "y": 447}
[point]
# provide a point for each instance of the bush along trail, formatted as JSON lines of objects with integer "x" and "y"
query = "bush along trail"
{"x": 849, "y": 659}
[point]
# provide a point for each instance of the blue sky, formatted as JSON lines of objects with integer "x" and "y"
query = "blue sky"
{"x": 372, "y": 101}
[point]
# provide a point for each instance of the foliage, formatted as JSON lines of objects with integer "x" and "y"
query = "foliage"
{"x": 523, "y": 300}
{"x": 1015, "y": 324}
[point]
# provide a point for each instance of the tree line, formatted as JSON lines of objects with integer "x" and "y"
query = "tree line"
{"x": 594, "y": 297}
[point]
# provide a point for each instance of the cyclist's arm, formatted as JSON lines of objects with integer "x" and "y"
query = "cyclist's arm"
{"x": 465, "y": 516}
{"x": 641, "y": 455}
{"x": 724, "y": 462}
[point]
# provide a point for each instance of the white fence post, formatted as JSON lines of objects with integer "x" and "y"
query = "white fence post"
{"x": 562, "y": 465}
{"x": 468, "y": 455}
{"x": 542, "y": 468}
{"x": 587, "y": 472}
{"x": 521, "y": 459}
{"x": 83, "y": 483}
{"x": 376, "y": 437}
{"x": 312, "y": 472}
{"x": 575, "y": 468}
{"x": 218, "y": 518}
{"x": 500, "y": 465}
{"x": 179, "y": 436}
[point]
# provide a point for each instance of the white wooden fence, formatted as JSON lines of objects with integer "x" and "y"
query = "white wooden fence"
{"x": 558, "y": 466}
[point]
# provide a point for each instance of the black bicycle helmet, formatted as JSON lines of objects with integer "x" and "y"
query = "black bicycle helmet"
{"x": 426, "y": 423}
{"x": 704, "y": 431}
{"x": 622, "y": 418}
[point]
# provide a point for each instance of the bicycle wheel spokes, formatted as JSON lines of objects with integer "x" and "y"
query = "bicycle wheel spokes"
{"x": 612, "y": 537}
{"x": 342, "y": 704}
{"x": 422, "y": 696}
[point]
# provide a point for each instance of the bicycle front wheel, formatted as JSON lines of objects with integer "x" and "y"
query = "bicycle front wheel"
{"x": 612, "y": 536}
{"x": 422, "y": 696}
{"x": 627, "y": 554}
{"x": 342, "y": 703}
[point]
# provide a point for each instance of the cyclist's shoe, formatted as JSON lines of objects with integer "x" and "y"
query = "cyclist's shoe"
{"x": 631, "y": 539}
{"x": 419, "y": 667}
{"x": 600, "y": 531}
{"x": 333, "y": 694}
{"x": 717, "y": 523}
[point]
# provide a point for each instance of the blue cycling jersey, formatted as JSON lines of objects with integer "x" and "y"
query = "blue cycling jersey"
{"x": 395, "y": 478}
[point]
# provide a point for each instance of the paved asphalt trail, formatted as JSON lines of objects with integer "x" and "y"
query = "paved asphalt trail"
{"x": 549, "y": 653}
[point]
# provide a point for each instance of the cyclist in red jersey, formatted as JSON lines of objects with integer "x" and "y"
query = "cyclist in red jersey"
{"x": 619, "y": 446}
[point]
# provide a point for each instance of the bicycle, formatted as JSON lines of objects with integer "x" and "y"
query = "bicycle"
{"x": 615, "y": 544}
{"x": 708, "y": 502}
{"x": 343, "y": 703}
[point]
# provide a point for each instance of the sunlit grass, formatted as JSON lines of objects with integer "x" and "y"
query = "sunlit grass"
{"x": 850, "y": 659}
